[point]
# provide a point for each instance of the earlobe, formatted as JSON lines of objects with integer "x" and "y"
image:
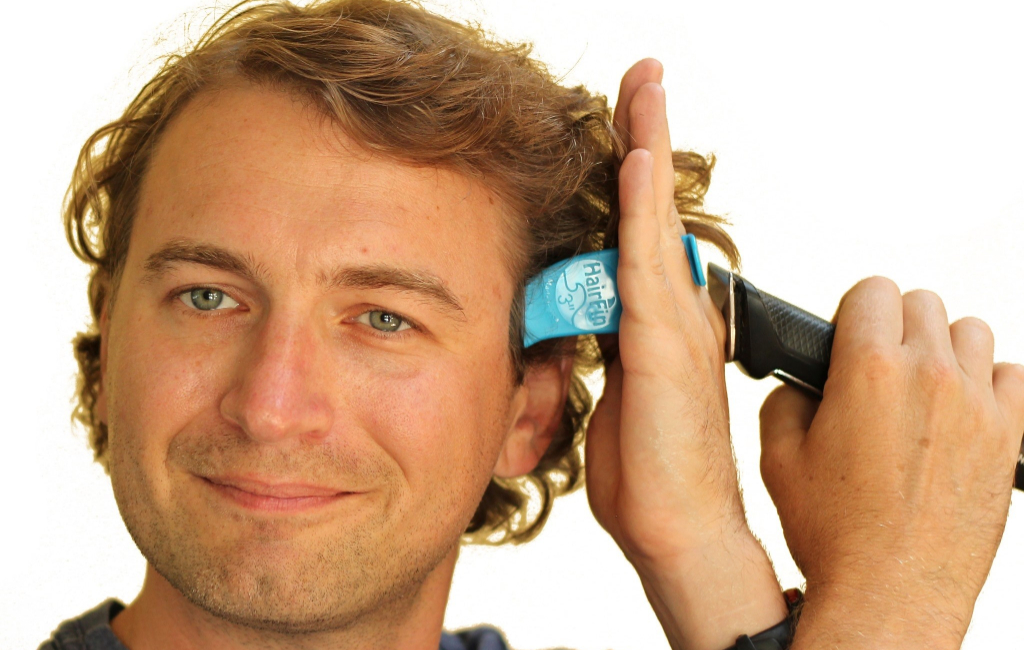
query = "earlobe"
{"x": 537, "y": 407}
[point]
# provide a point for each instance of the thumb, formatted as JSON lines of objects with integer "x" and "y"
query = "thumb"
{"x": 786, "y": 416}
{"x": 602, "y": 448}
{"x": 1008, "y": 386}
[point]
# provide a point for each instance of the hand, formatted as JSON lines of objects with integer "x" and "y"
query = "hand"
{"x": 893, "y": 493}
{"x": 659, "y": 465}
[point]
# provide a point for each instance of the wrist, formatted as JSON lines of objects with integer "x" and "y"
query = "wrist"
{"x": 780, "y": 635}
{"x": 697, "y": 536}
{"x": 878, "y": 617}
{"x": 708, "y": 597}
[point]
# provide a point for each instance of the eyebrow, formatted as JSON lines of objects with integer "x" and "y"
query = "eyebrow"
{"x": 373, "y": 276}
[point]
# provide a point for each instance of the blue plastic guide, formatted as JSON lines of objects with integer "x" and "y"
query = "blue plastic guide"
{"x": 580, "y": 295}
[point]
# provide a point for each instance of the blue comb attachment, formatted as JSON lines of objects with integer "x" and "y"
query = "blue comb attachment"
{"x": 580, "y": 295}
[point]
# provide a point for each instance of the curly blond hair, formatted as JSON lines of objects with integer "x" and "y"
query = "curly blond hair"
{"x": 421, "y": 89}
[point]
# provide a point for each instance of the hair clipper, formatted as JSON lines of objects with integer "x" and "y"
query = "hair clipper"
{"x": 768, "y": 336}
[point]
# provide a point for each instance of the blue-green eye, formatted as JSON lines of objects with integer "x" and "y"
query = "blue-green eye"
{"x": 207, "y": 299}
{"x": 383, "y": 321}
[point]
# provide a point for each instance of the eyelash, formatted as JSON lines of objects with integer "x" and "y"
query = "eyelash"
{"x": 200, "y": 313}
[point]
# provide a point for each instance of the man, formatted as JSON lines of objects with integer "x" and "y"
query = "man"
{"x": 313, "y": 235}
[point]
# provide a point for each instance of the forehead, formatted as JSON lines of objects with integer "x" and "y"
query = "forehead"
{"x": 259, "y": 171}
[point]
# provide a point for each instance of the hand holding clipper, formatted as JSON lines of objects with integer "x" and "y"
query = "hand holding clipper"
{"x": 768, "y": 336}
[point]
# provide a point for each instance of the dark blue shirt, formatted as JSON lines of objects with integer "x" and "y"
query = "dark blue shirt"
{"x": 91, "y": 631}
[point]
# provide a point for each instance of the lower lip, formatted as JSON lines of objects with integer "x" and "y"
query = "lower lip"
{"x": 263, "y": 503}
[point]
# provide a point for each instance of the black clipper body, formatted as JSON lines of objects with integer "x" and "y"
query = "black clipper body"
{"x": 768, "y": 336}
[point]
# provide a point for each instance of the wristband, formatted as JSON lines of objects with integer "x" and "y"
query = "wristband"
{"x": 780, "y": 636}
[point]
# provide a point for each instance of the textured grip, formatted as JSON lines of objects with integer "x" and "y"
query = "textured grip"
{"x": 774, "y": 337}
{"x": 800, "y": 331}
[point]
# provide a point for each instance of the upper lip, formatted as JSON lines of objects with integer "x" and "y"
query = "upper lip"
{"x": 279, "y": 489}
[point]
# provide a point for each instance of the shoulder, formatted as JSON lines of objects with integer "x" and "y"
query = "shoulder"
{"x": 474, "y": 638}
{"x": 483, "y": 637}
{"x": 89, "y": 631}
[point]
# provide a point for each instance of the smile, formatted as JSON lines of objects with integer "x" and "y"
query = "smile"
{"x": 274, "y": 497}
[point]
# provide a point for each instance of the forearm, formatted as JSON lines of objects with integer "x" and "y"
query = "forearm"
{"x": 709, "y": 598}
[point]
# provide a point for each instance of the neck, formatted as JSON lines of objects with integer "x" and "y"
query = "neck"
{"x": 161, "y": 617}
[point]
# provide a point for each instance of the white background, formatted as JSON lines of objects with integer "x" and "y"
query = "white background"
{"x": 884, "y": 138}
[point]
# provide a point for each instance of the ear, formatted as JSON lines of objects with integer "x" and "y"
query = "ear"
{"x": 101, "y": 395}
{"x": 537, "y": 411}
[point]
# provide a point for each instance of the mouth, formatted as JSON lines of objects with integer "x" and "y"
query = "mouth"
{"x": 268, "y": 496}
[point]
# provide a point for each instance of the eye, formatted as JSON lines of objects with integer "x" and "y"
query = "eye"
{"x": 207, "y": 299}
{"x": 384, "y": 321}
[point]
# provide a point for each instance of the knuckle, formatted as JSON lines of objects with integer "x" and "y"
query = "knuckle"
{"x": 923, "y": 296}
{"x": 939, "y": 373}
{"x": 876, "y": 284}
{"x": 1017, "y": 372}
{"x": 656, "y": 262}
{"x": 975, "y": 326}
{"x": 1009, "y": 377}
{"x": 878, "y": 362}
{"x": 867, "y": 291}
{"x": 644, "y": 259}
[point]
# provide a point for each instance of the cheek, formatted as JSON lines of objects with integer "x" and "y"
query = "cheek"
{"x": 445, "y": 422}
{"x": 155, "y": 388}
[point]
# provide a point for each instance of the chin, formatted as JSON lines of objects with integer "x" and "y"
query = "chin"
{"x": 265, "y": 592}
{"x": 305, "y": 585}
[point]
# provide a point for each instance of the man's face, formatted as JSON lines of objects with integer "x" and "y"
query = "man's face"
{"x": 306, "y": 381}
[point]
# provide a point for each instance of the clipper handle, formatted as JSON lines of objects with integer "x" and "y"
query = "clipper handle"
{"x": 781, "y": 339}
{"x": 801, "y": 333}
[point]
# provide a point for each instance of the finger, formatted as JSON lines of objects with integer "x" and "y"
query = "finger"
{"x": 644, "y": 286}
{"x": 1008, "y": 386}
{"x": 869, "y": 315}
{"x": 650, "y": 130}
{"x": 648, "y": 123}
{"x": 640, "y": 112}
{"x": 925, "y": 323}
{"x": 786, "y": 416}
{"x": 643, "y": 71}
{"x": 974, "y": 347}
{"x": 716, "y": 319}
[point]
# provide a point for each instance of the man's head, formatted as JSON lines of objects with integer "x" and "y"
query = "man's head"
{"x": 319, "y": 326}
{"x": 358, "y": 192}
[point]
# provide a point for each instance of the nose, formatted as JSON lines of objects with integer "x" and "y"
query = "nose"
{"x": 279, "y": 392}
